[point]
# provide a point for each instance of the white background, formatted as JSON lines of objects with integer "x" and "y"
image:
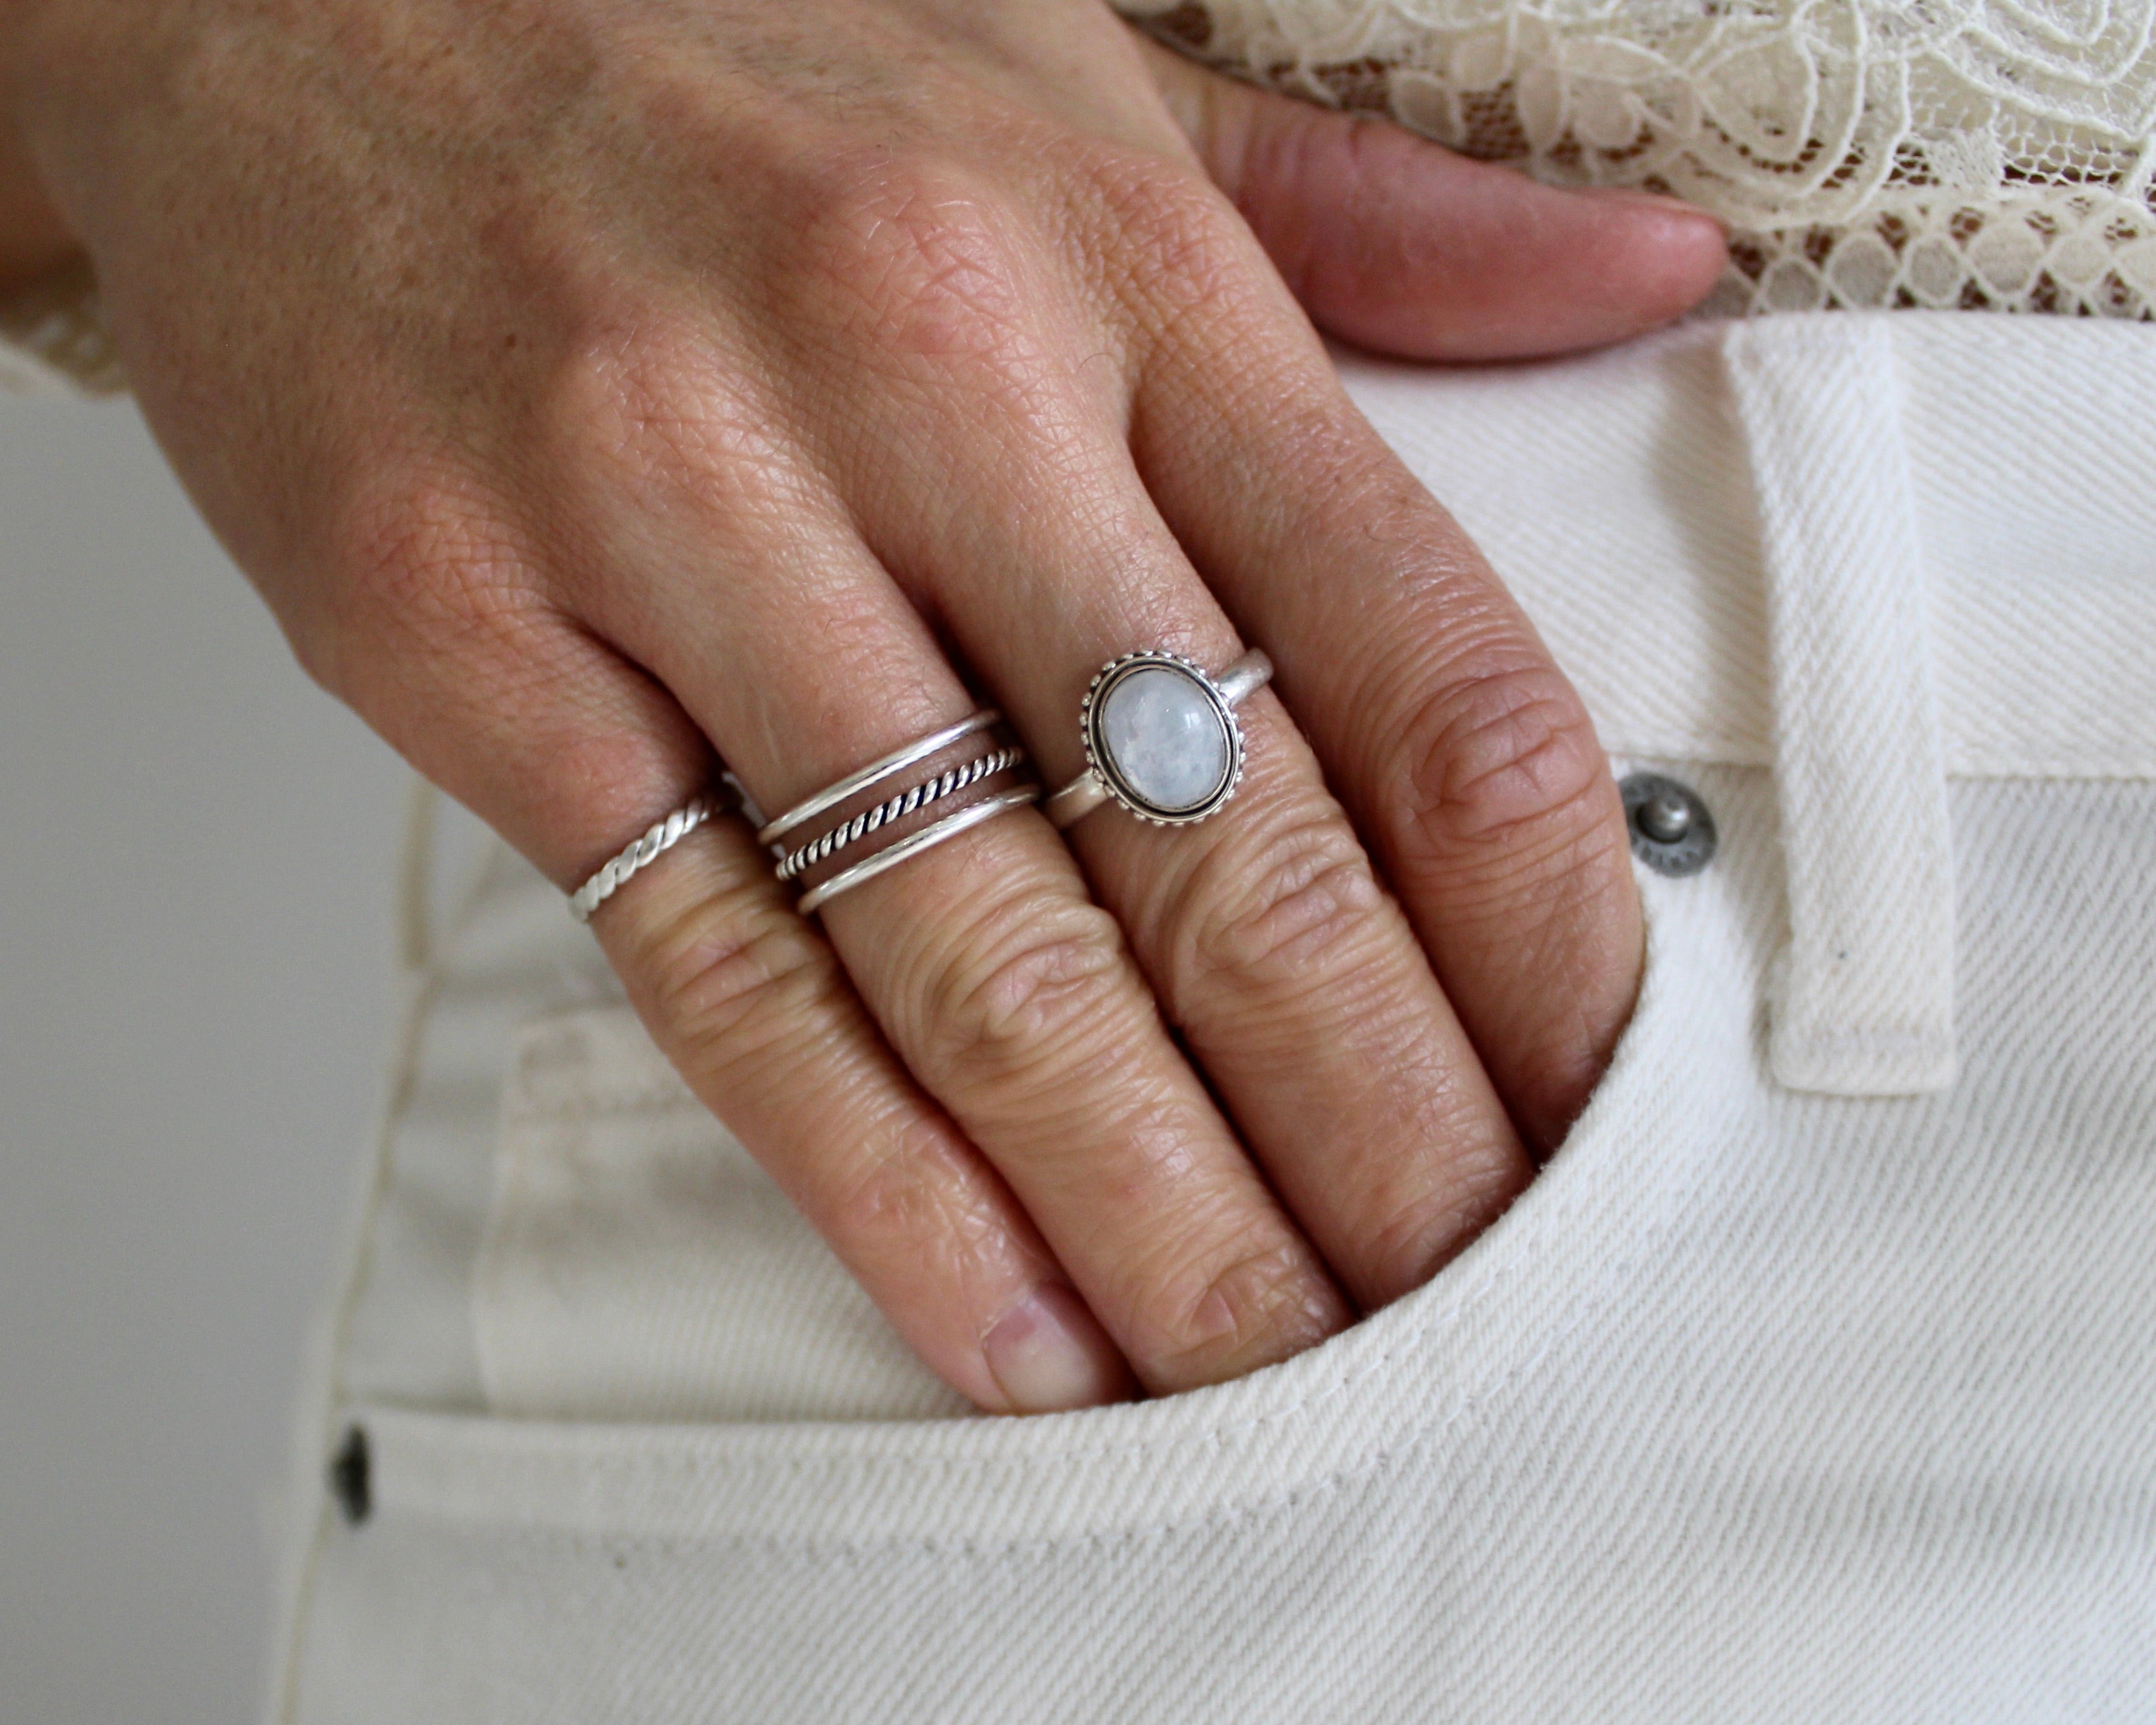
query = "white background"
{"x": 196, "y": 849}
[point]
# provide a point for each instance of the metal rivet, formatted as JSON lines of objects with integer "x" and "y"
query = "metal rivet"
{"x": 351, "y": 1477}
{"x": 1672, "y": 831}
{"x": 1665, "y": 817}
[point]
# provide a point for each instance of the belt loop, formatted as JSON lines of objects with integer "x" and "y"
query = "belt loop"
{"x": 1864, "y": 992}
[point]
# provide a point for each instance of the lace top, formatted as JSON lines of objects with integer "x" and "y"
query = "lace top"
{"x": 1981, "y": 154}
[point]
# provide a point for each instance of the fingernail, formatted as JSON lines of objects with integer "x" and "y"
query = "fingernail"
{"x": 1048, "y": 1352}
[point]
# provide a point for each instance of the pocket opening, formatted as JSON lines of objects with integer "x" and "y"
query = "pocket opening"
{"x": 1402, "y": 1376}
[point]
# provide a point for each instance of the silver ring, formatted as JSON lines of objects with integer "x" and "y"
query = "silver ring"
{"x": 1161, "y": 739}
{"x": 945, "y": 784}
{"x": 659, "y": 839}
{"x": 831, "y": 796}
{"x": 914, "y": 843}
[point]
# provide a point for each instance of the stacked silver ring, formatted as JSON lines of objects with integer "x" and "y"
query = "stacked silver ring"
{"x": 944, "y": 784}
{"x": 661, "y": 837}
{"x": 1161, "y": 739}
{"x": 864, "y": 824}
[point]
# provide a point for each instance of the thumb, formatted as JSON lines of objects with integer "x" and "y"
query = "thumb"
{"x": 1400, "y": 245}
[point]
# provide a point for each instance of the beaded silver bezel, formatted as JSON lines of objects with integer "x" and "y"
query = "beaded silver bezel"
{"x": 1102, "y": 762}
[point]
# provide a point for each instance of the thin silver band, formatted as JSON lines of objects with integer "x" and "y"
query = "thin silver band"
{"x": 1086, "y": 793}
{"x": 955, "y": 779}
{"x": 854, "y": 783}
{"x": 914, "y": 843}
{"x": 1244, "y": 678}
{"x": 655, "y": 843}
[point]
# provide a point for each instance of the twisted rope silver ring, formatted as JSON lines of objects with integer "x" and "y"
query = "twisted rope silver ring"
{"x": 966, "y": 786}
{"x": 914, "y": 843}
{"x": 958, "y": 778}
{"x": 647, "y": 850}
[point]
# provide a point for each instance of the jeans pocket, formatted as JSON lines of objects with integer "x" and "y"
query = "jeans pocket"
{"x": 637, "y": 1264}
{"x": 616, "y": 1555}
{"x": 679, "y": 1353}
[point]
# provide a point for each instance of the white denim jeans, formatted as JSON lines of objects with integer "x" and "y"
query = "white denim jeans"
{"x": 1815, "y": 1379}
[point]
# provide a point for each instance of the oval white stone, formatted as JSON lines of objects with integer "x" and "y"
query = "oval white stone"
{"x": 1165, "y": 737}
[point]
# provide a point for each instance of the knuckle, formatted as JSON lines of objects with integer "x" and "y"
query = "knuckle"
{"x": 1501, "y": 759}
{"x": 1279, "y": 906}
{"x": 920, "y": 257}
{"x": 1264, "y": 1304}
{"x": 729, "y": 976}
{"x": 909, "y": 1196}
{"x": 429, "y": 560}
{"x": 1180, "y": 244}
{"x": 432, "y": 544}
{"x": 1024, "y": 985}
{"x": 655, "y": 404}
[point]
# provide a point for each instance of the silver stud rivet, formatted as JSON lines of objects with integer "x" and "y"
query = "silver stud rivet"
{"x": 1672, "y": 832}
{"x": 1665, "y": 817}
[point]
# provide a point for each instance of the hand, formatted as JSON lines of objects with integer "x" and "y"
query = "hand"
{"x": 588, "y": 384}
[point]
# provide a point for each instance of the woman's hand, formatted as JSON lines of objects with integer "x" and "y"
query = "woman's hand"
{"x": 590, "y": 385}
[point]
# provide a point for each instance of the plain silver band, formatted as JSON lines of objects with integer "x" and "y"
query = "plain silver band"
{"x": 897, "y": 761}
{"x": 914, "y": 843}
{"x": 647, "y": 850}
{"x": 1086, "y": 793}
{"x": 1244, "y": 678}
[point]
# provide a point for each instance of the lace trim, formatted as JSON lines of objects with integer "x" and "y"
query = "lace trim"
{"x": 1975, "y": 154}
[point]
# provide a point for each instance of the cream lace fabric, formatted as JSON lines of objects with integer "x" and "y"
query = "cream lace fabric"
{"x": 1979, "y": 154}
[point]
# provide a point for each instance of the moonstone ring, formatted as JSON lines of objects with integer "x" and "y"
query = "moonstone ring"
{"x": 1161, "y": 739}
